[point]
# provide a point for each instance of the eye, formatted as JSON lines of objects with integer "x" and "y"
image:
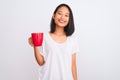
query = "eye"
{"x": 66, "y": 15}
{"x": 59, "y": 13}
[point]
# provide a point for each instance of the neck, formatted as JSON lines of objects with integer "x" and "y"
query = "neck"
{"x": 59, "y": 31}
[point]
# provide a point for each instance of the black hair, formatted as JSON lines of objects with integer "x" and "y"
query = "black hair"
{"x": 69, "y": 29}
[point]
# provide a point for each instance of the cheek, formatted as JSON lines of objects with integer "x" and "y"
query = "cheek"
{"x": 55, "y": 17}
{"x": 67, "y": 19}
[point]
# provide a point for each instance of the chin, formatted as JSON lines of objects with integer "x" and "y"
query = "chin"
{"x": 62, "y": 25}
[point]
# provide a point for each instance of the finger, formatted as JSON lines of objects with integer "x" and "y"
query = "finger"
{"x": 30, "y": 41}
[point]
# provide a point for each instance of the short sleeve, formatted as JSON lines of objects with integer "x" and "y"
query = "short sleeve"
{"x": 75, "y": 46}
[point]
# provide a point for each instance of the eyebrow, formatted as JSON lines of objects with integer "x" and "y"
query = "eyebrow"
{"x": 61, "y": 11}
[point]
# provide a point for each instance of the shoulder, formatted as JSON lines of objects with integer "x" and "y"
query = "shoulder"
{"x": 45, "y": 34}
{"x": 72, "y": 39}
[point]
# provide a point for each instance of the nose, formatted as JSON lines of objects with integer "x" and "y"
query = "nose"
{"x": 62, "y": 16}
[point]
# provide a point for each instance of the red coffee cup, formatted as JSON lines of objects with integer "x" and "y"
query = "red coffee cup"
{"x": 37, "y": 38}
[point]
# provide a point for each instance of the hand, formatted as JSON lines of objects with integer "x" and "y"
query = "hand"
{"x": 30, "y": 41}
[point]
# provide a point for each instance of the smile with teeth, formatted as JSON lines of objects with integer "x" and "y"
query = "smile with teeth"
{"x": 61, "y": 21}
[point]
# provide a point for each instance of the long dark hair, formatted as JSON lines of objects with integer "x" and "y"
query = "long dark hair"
{"x": 69, "y": 29}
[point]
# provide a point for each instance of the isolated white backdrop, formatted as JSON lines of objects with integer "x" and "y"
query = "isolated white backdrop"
{"x": 97, "y": 29}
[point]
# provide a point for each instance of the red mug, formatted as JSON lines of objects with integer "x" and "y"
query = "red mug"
{"x": 37, "y": 38}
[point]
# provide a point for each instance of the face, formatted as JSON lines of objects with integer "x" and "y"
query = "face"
{"x": 61, "y": 17}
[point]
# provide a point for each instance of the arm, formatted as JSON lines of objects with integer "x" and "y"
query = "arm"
{"x": 39, "y": 58}
{"x": 74, "y": 68}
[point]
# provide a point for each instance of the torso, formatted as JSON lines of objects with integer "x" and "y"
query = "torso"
{"x": 58, "y": 39}
{"x": 57, "y": 54}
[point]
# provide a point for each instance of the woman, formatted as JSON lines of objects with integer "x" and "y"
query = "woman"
{"x": 57, "y": 55}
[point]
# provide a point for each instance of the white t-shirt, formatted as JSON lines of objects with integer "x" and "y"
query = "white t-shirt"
{"x": 58, "y": 58}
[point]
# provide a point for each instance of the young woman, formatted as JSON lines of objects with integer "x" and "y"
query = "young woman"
{"x": 57, "y": 55}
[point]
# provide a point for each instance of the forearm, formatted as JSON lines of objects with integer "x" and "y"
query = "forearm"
{"x": 74, "y": 71}
{"x": 38, "y": 56}
{"x": 74, "y": 67}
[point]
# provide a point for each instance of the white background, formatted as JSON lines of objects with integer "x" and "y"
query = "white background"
{"x": 97, "y": 29}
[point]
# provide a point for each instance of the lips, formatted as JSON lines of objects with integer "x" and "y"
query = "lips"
{"x": 61, "y": 21}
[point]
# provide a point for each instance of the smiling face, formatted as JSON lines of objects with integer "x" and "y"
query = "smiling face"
{"x": 61, "y": 17}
